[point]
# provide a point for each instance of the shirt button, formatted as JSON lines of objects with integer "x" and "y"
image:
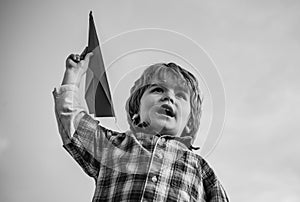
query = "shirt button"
{"x": 154, "y": 179}
{"x": 162, "y": 142}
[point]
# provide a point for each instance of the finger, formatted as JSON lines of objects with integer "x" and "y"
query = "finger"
{"x": 88, "y": 56}
{"x": 86, "y": 60}
{"x": 83, "y": 54}
{"x": 77, "y": 58}
{"x": 71, "y": 56}
{"x": 74, "y": 57}
{"x": 71, "y": 60}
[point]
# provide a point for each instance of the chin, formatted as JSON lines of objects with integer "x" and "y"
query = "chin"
{"x": 163, "y": 124}
{"x": 165, "y": 130}
{"x": 158, "y": 126}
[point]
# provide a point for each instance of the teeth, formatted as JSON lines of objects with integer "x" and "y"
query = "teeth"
{"x": 168, "y": 112}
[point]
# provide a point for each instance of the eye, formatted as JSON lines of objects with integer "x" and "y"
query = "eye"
{"x": 182, "y": 95}
{"x": 157, "y": 90}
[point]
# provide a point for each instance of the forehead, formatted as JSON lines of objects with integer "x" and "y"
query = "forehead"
{"x": 169, "y": 78}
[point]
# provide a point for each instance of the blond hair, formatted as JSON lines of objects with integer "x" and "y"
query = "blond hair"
{"x": 153, "y": 72}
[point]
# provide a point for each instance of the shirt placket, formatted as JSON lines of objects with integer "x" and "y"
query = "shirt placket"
{"x": 154, "y": 169}
{"x": 170, "y": 156}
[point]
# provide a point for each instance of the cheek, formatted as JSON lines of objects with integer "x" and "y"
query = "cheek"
{"x": 145, "y": 104}
{"x": 186, "y": 111}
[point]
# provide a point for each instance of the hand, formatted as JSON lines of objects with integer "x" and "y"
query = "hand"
{"x": 75, "y": 69}
{"x": 75, "y": 64}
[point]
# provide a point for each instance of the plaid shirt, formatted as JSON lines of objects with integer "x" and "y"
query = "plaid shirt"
{"x": 133, "y": 166}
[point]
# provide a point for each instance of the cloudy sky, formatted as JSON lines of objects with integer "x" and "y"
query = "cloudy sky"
{"x": 254, "y": 47}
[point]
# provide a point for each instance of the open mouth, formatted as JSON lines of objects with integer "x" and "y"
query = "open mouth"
{"x": 166, "y": 110}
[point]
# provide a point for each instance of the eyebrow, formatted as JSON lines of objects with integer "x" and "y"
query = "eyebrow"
{"x": 180, "y": 88}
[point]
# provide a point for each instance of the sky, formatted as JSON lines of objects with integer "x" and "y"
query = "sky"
{"x": 251, "y": 51}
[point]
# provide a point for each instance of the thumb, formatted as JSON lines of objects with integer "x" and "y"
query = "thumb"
{"x": 88, "y": 56}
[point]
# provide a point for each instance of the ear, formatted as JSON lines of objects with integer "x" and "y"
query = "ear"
{"x": 188, "y": 127}
{"x": 136, "y": 119}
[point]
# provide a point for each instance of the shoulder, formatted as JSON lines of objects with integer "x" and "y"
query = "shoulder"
{"x": 205, "y": 168}
{"x": 211, "y": 184}
{"x": 205, "y": 171}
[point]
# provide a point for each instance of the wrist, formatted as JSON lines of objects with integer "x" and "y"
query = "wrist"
{"x": 72, "y": 77}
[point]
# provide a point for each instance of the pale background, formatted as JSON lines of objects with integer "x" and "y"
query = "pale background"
{"x": 255, "y": 45}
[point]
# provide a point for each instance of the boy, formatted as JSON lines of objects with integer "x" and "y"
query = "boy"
{"x": 153, "y": 161}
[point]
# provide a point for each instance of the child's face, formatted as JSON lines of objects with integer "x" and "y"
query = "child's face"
{"x": 166, "y": 105}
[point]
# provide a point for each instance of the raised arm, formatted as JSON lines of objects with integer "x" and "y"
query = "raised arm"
{"x": 83, "y": 137}
{"x": 68, "y": 107}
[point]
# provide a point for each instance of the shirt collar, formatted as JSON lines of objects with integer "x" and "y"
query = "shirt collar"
{"x": 186, "y": 140}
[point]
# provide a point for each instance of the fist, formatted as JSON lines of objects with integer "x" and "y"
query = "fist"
{"x": 75, "y": 68}
{"x": 77, "y": 64}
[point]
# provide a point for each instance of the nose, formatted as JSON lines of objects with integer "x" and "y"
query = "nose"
{"x": 168, "y": 96}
